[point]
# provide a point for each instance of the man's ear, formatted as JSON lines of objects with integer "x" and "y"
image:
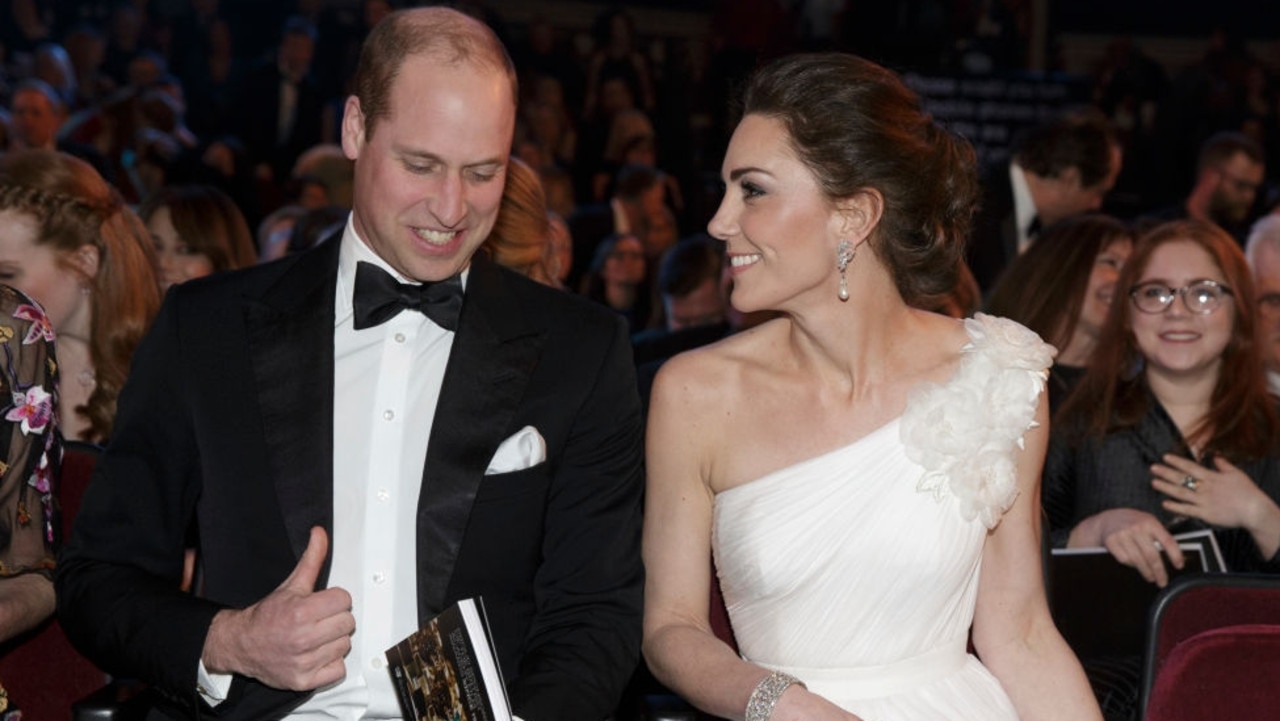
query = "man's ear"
{"x": 353, "y": 128}
{"x": 859, "y": 214}
{"x": 1070, "y": 177}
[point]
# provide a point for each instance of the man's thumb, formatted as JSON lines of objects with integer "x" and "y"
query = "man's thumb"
{"x": 303, "y": 578}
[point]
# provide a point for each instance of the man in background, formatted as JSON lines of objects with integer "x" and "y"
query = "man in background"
{"x": 1060, "y": 169}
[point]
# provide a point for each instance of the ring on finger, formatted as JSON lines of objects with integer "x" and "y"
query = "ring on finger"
{"x": 1190, "y": 483}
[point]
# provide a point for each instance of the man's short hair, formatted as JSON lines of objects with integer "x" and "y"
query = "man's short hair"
{"x": 448, "y": 35}
{"x": 690, "y": 263}
{"x": 1081, "y": 139}
{"x": 299, "y": 25}
{"x": 1221, "y": 147}
{"x": 45, "y": 89}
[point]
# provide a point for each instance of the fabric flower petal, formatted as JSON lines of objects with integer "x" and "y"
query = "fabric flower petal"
{"x": 964, "y": 433}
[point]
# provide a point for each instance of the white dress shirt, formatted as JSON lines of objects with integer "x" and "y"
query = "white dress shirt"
{"x": 1024, "y": 207}
{"x": 386, "y": 387}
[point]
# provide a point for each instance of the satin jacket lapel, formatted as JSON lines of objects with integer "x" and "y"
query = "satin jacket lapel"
{"x": 494, "y": 352}
{"x": 290, "y": 328}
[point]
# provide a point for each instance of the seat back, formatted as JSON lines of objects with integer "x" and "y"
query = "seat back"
{"x": 41, "y": 671}
{"x": 1192, "y": 605}
{"x": 1222, "y": 673}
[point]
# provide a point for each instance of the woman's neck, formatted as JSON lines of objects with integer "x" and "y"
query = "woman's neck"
{"x": 1187, "y": 400}
{"x": 76, "y": 382}
{"x": 1078, "y": 350}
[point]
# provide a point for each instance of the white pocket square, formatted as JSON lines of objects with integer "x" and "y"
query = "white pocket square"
{"x": 525, "y": 449}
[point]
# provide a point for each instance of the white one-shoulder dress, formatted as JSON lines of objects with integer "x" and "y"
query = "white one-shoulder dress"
{"x": 857, "y": 571}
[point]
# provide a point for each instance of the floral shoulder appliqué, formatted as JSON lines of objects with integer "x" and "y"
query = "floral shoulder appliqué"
{"x": 965, "y": 432}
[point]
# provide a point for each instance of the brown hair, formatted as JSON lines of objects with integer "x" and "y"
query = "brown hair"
{"x": 856, "y": 126}
{"x": 448, "y": 35}
{"x": 74, "y": 207}
{"x": 1081, "y": 139}
{"x": 1242, "y": 422}
{"x": 1044, "y": 288}
{"x": 208, "y": 222}
{"x": 522, "y": 229}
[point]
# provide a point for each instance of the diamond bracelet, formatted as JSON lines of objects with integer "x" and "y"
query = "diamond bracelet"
{"x": 766, "y": 695}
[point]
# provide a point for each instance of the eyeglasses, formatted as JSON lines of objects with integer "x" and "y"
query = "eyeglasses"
{"x": 1199, "y": 297}
{"x": 1243, "y": 185}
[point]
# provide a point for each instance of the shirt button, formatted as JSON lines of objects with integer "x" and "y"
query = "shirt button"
{"x": 399, "y": 337}
{"x": 383, "y": 494}
{"x": 388, "y": 415}
{"x": 379, "y": 577}
{"x": 378, "y": 662}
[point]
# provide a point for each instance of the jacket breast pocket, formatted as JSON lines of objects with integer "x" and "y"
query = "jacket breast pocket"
{"x": 524, "y": 484}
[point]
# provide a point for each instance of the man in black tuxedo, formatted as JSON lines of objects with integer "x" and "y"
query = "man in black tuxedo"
{"x": 1059, "y": 169}
{"x": 452, "y": 443}
{"x": 280, "y": 105}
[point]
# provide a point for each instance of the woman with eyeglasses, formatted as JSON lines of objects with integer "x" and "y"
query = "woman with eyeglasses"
{"x": 1171, "y": 429}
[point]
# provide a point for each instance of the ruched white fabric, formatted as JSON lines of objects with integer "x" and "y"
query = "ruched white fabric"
{"x": 857, "y": 571}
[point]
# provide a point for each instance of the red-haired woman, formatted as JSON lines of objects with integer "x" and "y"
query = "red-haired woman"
{"x": 1172, "y": 428}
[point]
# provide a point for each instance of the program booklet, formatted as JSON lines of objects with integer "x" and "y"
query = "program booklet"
{"x": 1100, "y": 605}
{"x": 448, "y": 670}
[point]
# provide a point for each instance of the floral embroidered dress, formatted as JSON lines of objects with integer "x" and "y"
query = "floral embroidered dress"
{"x": 30, "y": 446}
{"x": 857, "y": 571}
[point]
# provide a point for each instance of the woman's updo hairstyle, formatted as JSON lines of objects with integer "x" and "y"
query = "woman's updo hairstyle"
{"x": 856, "y": 126}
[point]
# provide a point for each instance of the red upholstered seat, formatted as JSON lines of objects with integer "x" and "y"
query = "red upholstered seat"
{"x": 1223, "y": 673}
{"x": 1193, "y": 605}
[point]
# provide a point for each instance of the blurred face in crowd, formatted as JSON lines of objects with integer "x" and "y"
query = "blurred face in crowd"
{"x": 1266, "y": 274}
{"x": 45, "y": 274}
{"x": 1102, "y": 286}
{"x": 296, "y": 53}
{"x": 429, "y": 177}
{"x": 36, "y": 119}
{"x": 625, "y": 263}
{"x": 704, "y": 305}
{"x": 1071, "y": 197}
{"x": 1176, "y": 342}
{"x": 176, "y": 260}
{"x": 1238, "y": 181}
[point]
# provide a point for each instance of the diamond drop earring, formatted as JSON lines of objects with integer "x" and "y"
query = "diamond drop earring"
{"x": 844, "y": 255}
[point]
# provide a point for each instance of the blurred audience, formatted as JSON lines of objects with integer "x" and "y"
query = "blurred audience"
{"x": 1059, "y": 169}
{"x": 1229, "y": 172}
{"x": 1062, "y": 288}
{"x": 522, "y": 232}
{"x": 197, "y": 230}
{"x": 616, "y": 278}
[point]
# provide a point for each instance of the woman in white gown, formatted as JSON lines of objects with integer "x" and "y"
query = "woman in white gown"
{"x": 865, "y": 473}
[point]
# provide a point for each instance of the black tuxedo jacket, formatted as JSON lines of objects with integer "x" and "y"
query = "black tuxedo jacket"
{"x": 257, "y": 118}
{"x": 993, "y": 242}
{"x": 227, "y": 420}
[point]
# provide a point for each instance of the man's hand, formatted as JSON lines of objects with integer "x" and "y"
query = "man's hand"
{"x": 293, "y": 639}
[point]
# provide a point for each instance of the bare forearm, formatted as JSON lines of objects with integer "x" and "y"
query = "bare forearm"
{"x": 1043, "y": 678}
{"x": 1264, "y": 527}
{"x": 702, "y": 669}
{"x": 25, "y": 601}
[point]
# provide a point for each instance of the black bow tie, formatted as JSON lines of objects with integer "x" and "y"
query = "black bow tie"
{"x": 379, "y": 298}
{"x": 1033, "y": 230}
